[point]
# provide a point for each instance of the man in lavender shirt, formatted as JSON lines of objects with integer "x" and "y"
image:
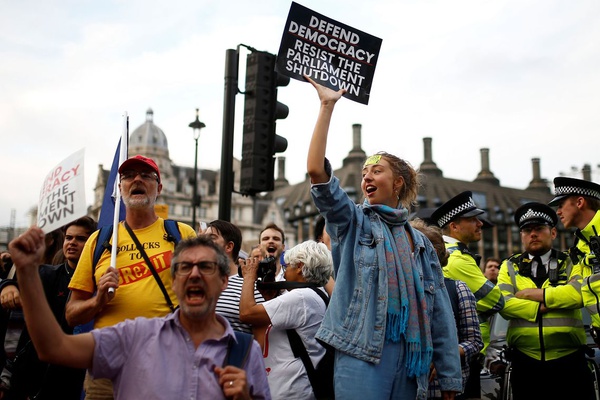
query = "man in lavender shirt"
{"x": 178, "y": 356}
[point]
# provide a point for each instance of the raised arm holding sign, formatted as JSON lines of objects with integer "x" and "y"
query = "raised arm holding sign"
{"x": 405, "y": 325}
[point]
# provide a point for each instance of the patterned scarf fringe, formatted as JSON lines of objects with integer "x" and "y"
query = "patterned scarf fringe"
{"x": 418, "y": 362}
{"x": 395, "y": 326}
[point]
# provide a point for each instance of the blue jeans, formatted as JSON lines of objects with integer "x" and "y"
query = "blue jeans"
{"x": 361, "y": 380}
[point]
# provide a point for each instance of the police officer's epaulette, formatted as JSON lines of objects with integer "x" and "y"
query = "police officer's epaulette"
{"x": 463, "y": 248}
{"x": 515, "y": 258}
{"x": 576, "y": 254}
{"x": 562, "y": 256}
{"x": 523, "y": 263}
{"x": 452, "y": 249}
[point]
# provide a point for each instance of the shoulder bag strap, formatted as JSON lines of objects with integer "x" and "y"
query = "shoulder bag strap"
{"x": 150, "y": 266}
{"x": 285, "y": 285}
{"x": 322, "y": 295}
{"x": 300, "y": 351}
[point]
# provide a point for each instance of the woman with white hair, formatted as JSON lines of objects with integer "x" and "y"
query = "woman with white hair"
{"x": 300, "y": 309}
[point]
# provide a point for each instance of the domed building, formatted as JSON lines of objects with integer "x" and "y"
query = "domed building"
{"x": 149, "y": 140}
{"x": 249, "y": 214}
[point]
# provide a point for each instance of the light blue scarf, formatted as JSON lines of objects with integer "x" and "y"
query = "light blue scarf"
{"x": 407, "y": 307}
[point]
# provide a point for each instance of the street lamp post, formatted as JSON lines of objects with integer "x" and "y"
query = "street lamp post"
{"x": 196, "y": 126}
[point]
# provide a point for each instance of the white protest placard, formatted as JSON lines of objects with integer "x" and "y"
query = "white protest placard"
{"x": 62, "y": 198}
{"x": 333, "y": 54}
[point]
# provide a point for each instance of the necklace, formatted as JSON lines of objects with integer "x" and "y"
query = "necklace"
{"x": 69, "y": 273}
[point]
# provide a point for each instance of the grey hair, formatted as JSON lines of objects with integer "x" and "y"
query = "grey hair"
{"x": 316, "y": 257}
{"x": 202, "y": 241}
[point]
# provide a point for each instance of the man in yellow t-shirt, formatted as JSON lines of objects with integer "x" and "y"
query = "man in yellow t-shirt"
{"x": 136, "y": 291}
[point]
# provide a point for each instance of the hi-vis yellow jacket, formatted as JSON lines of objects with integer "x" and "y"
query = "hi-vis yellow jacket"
{"x": 462, "y": 266}
{"x": 580, "y": 253}
{"x": 543, "y": 336}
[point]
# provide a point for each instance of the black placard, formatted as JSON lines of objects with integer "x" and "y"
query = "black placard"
{"x": 329, "y": 52}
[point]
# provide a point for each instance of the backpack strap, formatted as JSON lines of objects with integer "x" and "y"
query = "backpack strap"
{"x": 237, "y": 352}
{"x": 173, "y": 233}
{"x": 453, "y": 294}
{"x": 105, "y": 234}
{"x": 102, "y": 244}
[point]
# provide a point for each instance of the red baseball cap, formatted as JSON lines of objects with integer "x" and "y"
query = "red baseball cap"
{"x": 139, "y": 160}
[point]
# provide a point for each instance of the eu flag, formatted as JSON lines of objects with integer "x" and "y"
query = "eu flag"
{"x": 108, "y": 202}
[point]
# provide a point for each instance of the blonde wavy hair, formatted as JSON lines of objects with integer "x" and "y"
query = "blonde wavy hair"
{"x": 412, "y": 179}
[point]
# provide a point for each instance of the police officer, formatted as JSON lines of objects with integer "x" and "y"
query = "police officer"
{"x": 543, "y": 305}
{"x": 578, "y": 203}
{"x": 458, "y": 218}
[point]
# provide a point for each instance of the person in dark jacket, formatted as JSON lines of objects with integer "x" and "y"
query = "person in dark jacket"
{"x": 31, "y": 378}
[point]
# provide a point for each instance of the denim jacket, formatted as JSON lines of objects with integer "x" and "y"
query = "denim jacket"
{"x": 355, "y": 319}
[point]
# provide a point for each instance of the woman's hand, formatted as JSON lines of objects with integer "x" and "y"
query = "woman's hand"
{"x": 250, "y": 268}
{"x": 326, "y": 95}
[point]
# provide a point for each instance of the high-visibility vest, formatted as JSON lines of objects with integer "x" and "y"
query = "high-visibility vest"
{"x": 543, "y": 336}
{"x": 590, "y": 288}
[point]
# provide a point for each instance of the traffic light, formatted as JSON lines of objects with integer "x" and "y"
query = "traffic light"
{"x": 261, "y": 110}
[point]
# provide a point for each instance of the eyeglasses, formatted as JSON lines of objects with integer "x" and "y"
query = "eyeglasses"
{"x": 286, "y": 266}
{"x": 185, "y": 268}
{"x": 147, "y": 176}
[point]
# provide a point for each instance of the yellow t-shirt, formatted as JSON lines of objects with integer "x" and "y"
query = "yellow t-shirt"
{"x": 138, "y": 294}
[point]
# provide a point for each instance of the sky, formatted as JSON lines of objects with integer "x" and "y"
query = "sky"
{"x": 521, "y": 78}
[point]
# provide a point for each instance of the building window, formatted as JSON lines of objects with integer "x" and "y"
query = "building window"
{"x": 480, "y": 200}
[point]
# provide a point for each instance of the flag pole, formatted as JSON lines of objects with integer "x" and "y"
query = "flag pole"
{"x": 122, "y": 157}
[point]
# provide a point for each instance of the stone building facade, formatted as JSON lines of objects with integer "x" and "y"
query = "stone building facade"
{"x": 500, "y": 240}
{"x": 290, "y": 205}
